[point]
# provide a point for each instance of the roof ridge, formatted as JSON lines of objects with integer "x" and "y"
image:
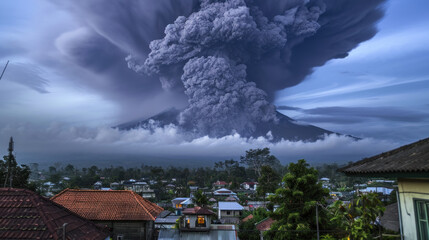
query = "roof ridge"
{"x": 138, "y": 201}
{"x": 58, "y": 194}
{"x": 263, "y": 220}
{"x": 53, "y": 232}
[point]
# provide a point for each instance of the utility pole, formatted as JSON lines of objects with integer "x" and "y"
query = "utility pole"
{"x": 4, "y": 69}
{"x": 317, "y": 220}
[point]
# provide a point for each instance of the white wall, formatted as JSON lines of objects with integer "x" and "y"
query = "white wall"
{"x": 410, "y": 189}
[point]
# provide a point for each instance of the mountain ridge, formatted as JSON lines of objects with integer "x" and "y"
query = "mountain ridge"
{"x": 286, "y": 128}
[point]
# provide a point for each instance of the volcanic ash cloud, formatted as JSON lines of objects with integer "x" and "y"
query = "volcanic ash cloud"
{"x": 231, "y": 56}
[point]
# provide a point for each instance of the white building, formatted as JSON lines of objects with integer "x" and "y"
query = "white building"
{"x": 410, "y": 165}
{"x": 224, "y": 192}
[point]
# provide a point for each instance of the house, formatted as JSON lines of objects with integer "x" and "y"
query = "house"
{"x": 141, "y": 188}
{"x": 229, "y": 212}
{"x": 409, "y": 164}
{"x": 249, "y": 217}
{"x": 249, "y": 185}
{"x": 223, "y": 192}
{"x": 166, "y": 219}
{"x": 263, "y": 226}
{"x": 196, "y": 219}
{"x": 114, "y": 185}
{"x": 219, "y": 184}
{"x": 381, "y": 190}
{"x": 127, "y": 214}
{"x": 232, "y": 198}
{"x": 180, "y": 203}
{"x": 27, "y": 215}
{"x": 98, "y": 185}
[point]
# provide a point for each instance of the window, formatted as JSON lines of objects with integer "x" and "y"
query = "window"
{"x": 422, "y": 219}
{"x": 201, "y": 221}
{"x": 228, "y": 212}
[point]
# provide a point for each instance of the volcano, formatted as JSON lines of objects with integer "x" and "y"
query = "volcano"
{"x": 286, "y": 128}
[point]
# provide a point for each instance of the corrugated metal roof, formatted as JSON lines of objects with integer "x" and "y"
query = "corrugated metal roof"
{"x": 230, "y": 206}
{"x": 27, "y": 215}
{"x": 213, "y": 234}
{"x": 108, "y": 205}
{"x": 411, "y": 158}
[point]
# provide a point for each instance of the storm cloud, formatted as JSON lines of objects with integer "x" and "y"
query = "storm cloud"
{"x": 347, "y": 115}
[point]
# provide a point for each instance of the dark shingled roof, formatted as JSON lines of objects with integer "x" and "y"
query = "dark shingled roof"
{"x": 27, "y": 215}
{"x": 409, "y": 159}
{"x": 390, "y": 218}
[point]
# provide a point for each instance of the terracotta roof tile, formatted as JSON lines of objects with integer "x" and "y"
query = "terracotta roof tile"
{"x": 247, "y": 218}
{"x": 265, "y": 224}
{"x": 27, "y": 215}
{"x": 108, "y": 205}
{"x": 197, "y": 211}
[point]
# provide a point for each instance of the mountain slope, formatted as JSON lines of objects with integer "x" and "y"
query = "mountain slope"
{"x": 286, "y": 128}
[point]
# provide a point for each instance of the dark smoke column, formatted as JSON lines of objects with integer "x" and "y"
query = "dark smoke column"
{"x": 231, "y": 56}
{"x": 220, "y": 98}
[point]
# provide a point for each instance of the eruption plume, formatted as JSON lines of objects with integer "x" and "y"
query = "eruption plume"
{"x": 229, "y": 57}
{"x": 213, "y": 47}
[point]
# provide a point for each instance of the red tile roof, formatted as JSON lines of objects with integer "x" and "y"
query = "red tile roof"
{"x": 220, "y": 183}
{"x": 108, "y": 205}
{"x": 197, "y": 211}
{"x": 27, "y": 215}
{"x": 247, "y": 218}
{"x": 265, "y": 225}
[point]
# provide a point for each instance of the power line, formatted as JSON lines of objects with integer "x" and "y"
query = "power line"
{"x": 4, "y": 69}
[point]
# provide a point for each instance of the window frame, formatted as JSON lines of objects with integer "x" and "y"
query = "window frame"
{"x": 417, "y": 216}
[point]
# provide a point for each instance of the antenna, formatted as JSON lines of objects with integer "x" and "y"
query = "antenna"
{"x": 10, "y": 158}
{"x": 4, "y": 69}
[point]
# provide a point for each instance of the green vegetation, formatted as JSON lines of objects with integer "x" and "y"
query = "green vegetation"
{"x": 247, "y": 229}
{"x": 200, "y": 199}
{"x": 297, "y": 199}
{"x": 255, "y": 159}
{"x": 11, "y": 174}
{"x": 268, "y": 182}
{"x": 356, "y": 219}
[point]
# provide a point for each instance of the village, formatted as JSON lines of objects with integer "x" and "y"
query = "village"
{"x": 175, "y": 203}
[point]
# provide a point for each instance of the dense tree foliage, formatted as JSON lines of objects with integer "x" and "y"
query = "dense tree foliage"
{"x": 356, "y": 220}
{"x": 268, "y": 182}
{"x": 11, "y": 174}
{"x": 297, "y": 199}
{"x": 200, "y": 199}
{"x": 255, "y": 159}
{"x": 248, "y": 229}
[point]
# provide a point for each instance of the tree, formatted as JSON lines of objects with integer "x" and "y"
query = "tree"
{"x": 268, "y": 181}
{"x": 357, "y": 218}
{"x": 256, "y": 158}
{"x": 12, "y": 175}
{"x": 200, "y": 199}
{"x": 247, "y": 229}
{"x": 297, "y": 198}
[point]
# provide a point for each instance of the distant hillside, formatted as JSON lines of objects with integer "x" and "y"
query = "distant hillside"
{"x": 286, "y": 128}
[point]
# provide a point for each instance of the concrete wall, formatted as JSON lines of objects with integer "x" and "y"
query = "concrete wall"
{"x": 409, "y": 190}
{"x": 232, "y": 213}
